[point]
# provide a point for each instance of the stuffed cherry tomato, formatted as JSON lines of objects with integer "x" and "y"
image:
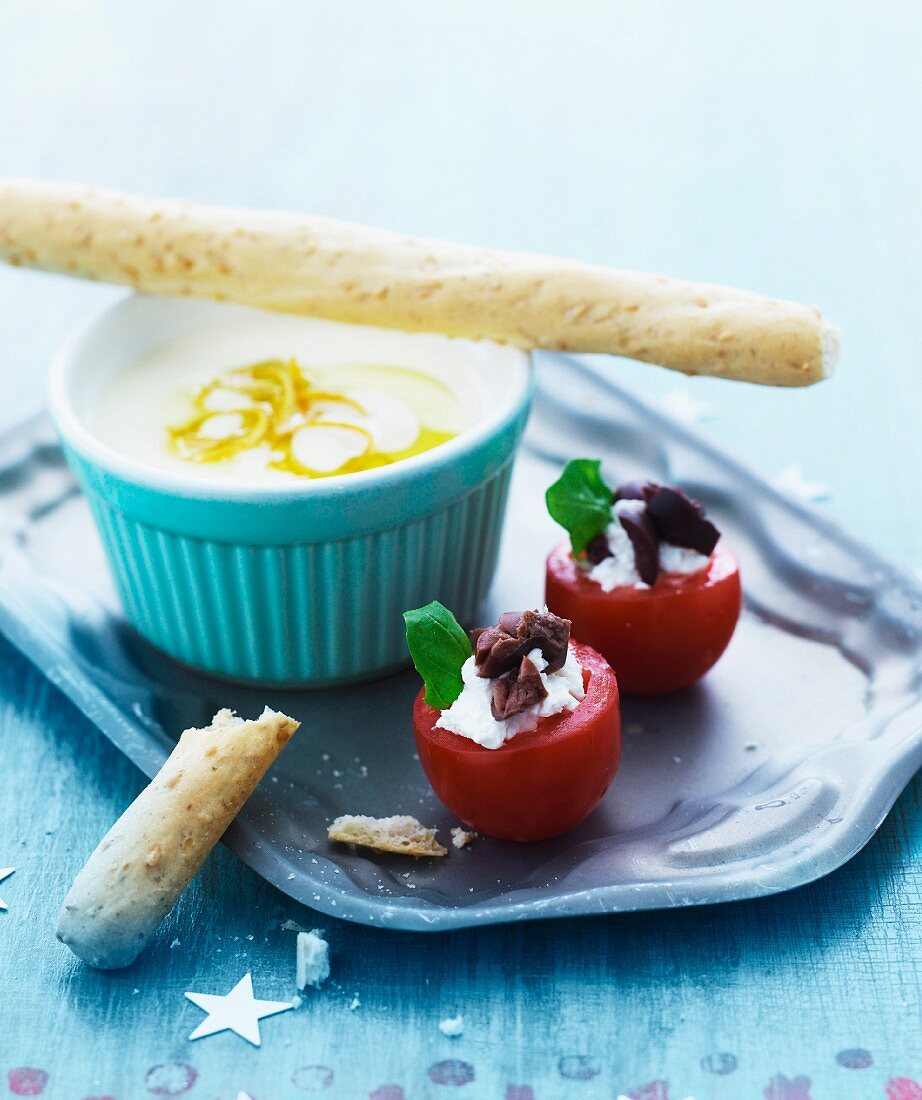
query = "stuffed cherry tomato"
{"x": 530, "y": 741}
{"x": 661, "y": 638}
{"x": 646, "y": 580}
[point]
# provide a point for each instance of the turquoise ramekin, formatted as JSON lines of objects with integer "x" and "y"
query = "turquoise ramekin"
{"x": 302, "y": 585}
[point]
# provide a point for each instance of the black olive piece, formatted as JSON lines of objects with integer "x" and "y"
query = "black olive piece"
{"x": 497, "y": 651}
{"x": 644, "y": 542}
{"x": 597, "y": 549}
{"x": 634, "y": 490}
{"x": 517, "y": 691}
{"x": 680, "y": 520}
{"x": 509, "y": 621}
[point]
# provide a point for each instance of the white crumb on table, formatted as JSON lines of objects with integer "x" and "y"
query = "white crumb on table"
{"x": 460, "y": 838}
{"x": 354, "y": 1003}
{"x": 313, "y": 960}
{"x": 452, "y": 1026}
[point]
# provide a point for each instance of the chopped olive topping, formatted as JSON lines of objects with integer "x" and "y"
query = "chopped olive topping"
{"x": 680, "y": 520}
{"x": 517, "y": 691}
{"x": 632, "y": 490}
{"x": 673, "y": 517}
{"x": 499, "y": 649}
{"x": 640, "y": 530}
{"x": 598, "y": 549}
{"x": 582, "y": 502}
{"x": 501, "y": 655}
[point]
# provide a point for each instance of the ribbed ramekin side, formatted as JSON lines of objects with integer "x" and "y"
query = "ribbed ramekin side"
{"x": 308, "y": 613}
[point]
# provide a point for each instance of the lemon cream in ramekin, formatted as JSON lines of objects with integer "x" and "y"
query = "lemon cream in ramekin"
{"x": 274, "y": 399}
{"x": 274, "y": 491}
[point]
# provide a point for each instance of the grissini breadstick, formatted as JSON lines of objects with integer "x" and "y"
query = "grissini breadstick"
{"x": 152, "y": 852}
{"x": 297, "y": 263}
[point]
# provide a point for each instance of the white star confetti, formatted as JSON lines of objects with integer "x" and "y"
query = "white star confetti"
{"x": 681, "y": 403}
{"x": 792, "y": 480}
{"x": 237, "y": 1011}
{"x": 5, "y": 872}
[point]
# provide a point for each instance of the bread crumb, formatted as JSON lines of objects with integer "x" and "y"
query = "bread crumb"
{"x": 401, "y": 834}
{"x": 313, "y": 960}
{"x": 452, "y": 1026}
{"x": 460, "y": 838}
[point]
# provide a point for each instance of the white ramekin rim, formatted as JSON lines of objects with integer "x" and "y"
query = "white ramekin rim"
{"x": 84, "y": 442}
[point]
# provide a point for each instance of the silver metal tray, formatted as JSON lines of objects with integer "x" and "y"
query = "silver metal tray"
{"x": 773, "y": 772}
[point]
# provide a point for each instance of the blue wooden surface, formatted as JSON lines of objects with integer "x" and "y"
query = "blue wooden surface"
{"x": 775, "y": 147}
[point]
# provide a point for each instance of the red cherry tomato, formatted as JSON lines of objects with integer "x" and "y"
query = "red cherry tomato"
{"x": 657, "y": 639}
{"x": 540, "y": 783}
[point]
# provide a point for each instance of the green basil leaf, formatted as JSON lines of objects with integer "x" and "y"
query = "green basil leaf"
{"x": 580, "y": 502}
{"x": 439, "y": 647}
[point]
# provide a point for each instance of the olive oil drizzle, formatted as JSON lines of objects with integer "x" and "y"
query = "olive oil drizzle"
{"x": 278, "y": 399}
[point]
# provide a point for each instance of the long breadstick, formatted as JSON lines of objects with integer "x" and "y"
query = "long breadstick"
{"x": 298, "y": 263}
{"x": 152, "y": 852}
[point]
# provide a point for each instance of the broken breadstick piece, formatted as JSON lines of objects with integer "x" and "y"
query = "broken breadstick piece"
{"x": 153, "y": 851}
{"x": 402, "y": 835}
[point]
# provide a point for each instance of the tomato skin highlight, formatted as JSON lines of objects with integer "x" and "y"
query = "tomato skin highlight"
{"x": 538, "y": 784}
{"x": 659, "y": 639}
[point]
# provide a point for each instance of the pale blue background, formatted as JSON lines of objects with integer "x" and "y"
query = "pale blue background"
{"x": 774, "y": 146}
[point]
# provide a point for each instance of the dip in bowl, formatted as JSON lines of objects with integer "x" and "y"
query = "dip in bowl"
{"x": 274, "y": 491}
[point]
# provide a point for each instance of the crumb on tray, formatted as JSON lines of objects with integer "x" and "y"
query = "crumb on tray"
{"x": 402, "y": 835}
